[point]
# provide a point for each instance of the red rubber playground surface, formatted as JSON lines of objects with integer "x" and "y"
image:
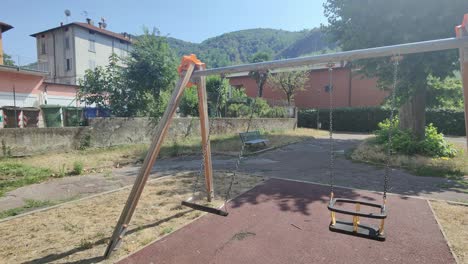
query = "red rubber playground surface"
{"x": 285, "y": 221}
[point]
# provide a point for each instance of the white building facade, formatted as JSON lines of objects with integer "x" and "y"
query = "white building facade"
{"x": 67, "y": 51}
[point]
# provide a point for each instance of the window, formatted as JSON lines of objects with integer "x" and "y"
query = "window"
{"x": 68, "y": 65}
{"x": 43, "y": 47}
{"x": 327, "y": 88}
{"x": 92, "y": 64}
{"x": 92, "y": 45}
{"x": 67, "y": 43}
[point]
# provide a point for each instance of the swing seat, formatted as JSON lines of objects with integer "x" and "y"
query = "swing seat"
{"x": 203, "y": 208}
{"x": 354, "y": 227}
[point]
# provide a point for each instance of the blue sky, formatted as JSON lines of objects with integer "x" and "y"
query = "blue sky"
{"x": 188, "y": 20}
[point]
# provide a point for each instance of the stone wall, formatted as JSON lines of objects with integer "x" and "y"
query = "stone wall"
{"x": 105, "y": 132}
{"x": 27, "y": 141}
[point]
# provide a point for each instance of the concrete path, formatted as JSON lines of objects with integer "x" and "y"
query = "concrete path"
{"x": 307, "y": 161}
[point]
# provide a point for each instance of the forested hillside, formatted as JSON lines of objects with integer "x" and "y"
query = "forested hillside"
{"x": 239, "y": 46}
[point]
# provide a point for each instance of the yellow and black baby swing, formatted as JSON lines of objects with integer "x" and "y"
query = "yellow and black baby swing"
{"x": 354, "y": 227}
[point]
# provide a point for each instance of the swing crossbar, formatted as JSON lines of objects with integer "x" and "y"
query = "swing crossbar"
{"x": 203, "y": 208}
{"x": 332, "y": 207}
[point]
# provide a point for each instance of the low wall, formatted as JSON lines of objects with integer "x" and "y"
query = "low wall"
{"x": 121, "y": 131}
{"x": 105, "y": 132}
{"x": 27, "y": 141}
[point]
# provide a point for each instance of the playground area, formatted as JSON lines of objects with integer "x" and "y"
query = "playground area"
{"x": 78, "y": 231}
{"x": 400, "y": 196}
{"x": 283, "y": 221}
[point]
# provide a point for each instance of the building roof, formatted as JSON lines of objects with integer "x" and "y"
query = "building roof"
{"x": 15, "y": 69}
{"x": 4, "y": 27}
{"x": 90, "y": 27}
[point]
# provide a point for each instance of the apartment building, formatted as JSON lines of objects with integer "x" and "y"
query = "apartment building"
{"x": 67, "y": 51}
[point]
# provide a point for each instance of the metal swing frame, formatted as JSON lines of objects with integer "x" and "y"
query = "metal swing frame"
{"x": 194, "y": 69}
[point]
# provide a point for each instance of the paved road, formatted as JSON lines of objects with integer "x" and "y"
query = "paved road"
{"x": 306, "y": 161}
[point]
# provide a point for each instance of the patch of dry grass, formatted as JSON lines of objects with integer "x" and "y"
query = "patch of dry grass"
{"x": 78, "y": 232}
{"x": 454, "y": 221}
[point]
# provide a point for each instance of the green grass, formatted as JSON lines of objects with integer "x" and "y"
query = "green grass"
{"x": 166, "y": 230}
{"x": 14, "y": 175}
{"x": 30, "y": 205}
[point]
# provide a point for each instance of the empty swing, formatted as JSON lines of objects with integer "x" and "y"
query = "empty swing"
{"x": 355, "y": 227}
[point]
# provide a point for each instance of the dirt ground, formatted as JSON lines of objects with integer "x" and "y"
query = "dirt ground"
{"x": 454, "y": 221}
{"x": 78, "y": 232}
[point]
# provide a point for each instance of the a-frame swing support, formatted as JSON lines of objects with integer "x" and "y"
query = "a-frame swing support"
{"x": 194, "y": 69}
{"x": 187, "y": 67}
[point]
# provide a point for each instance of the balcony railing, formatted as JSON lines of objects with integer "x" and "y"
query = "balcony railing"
{"x": 26, "y": 63}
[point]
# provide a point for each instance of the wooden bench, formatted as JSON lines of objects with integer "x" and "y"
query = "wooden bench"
{"x": 252, "y": 138}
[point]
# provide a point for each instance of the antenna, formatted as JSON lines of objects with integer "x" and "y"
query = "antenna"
{"x": 67, "y": 14}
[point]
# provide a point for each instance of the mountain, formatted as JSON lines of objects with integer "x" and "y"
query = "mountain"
{"x": 238, "y": 47}
{"x": 312, "y": 42}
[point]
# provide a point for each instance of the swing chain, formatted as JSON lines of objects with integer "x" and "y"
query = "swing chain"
{"x": 395, "y": 59}
{"x": 240, "y": 156}
{"x": 205, "y": 146}
{"x": 330, "y": 132}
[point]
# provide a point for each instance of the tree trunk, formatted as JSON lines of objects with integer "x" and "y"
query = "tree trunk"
{"x": 288, "y": 97}
{"x": 413, "y": 113}
{"x": 260, "y": 83}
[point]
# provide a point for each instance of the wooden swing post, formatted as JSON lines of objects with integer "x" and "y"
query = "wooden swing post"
{"x": 462, "y": 32}
{"x": 205, "y": 130}
{"x": 186, "y": 70}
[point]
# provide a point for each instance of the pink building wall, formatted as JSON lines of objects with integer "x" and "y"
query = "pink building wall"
{"x": 350, "y": 90}
{"x": 31, "y": 90}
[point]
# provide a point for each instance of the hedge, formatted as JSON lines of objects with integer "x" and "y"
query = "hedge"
{"x": 365, "y": 119}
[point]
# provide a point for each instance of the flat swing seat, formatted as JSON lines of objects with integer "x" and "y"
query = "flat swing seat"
{"x": 203, "y": 208}
{"x": 354, "y": 227}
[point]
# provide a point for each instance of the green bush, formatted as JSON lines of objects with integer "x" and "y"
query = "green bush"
{"x": 77, "y": 168}
{"x": 277, "y": 112}
{"x": 238, "y": 110}
{"x": 189, "y": 103}
{"x": 433, "y": 145}
{"x": 366, "y": 119}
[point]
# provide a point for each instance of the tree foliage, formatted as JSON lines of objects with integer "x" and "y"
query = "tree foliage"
{"x": 289, "y": 82}
{"x": 217, "y": 92}
{"x": 7, "y": 60}
{"x": 354, "y": 26}
{"x": 260, "y": 77}
{"x": 444, "y": 93}
{"x": 141, "y": 87}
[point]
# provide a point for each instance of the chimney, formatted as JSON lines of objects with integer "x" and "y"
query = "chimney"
{"x": 61, "y": 24}
{"x": 89, "y": 21}
{"x": 100, "y": 24}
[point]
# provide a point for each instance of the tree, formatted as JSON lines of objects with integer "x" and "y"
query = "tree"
{"x": 7, "y": 60}
{"x": 151, "y": 69}
{"x": 394, "y": 22}
{"x": 217, "y": 89}
{"x": 107, "y": 87}
{"x": 289, "y": 82}
{"x": 260, "y": 77}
